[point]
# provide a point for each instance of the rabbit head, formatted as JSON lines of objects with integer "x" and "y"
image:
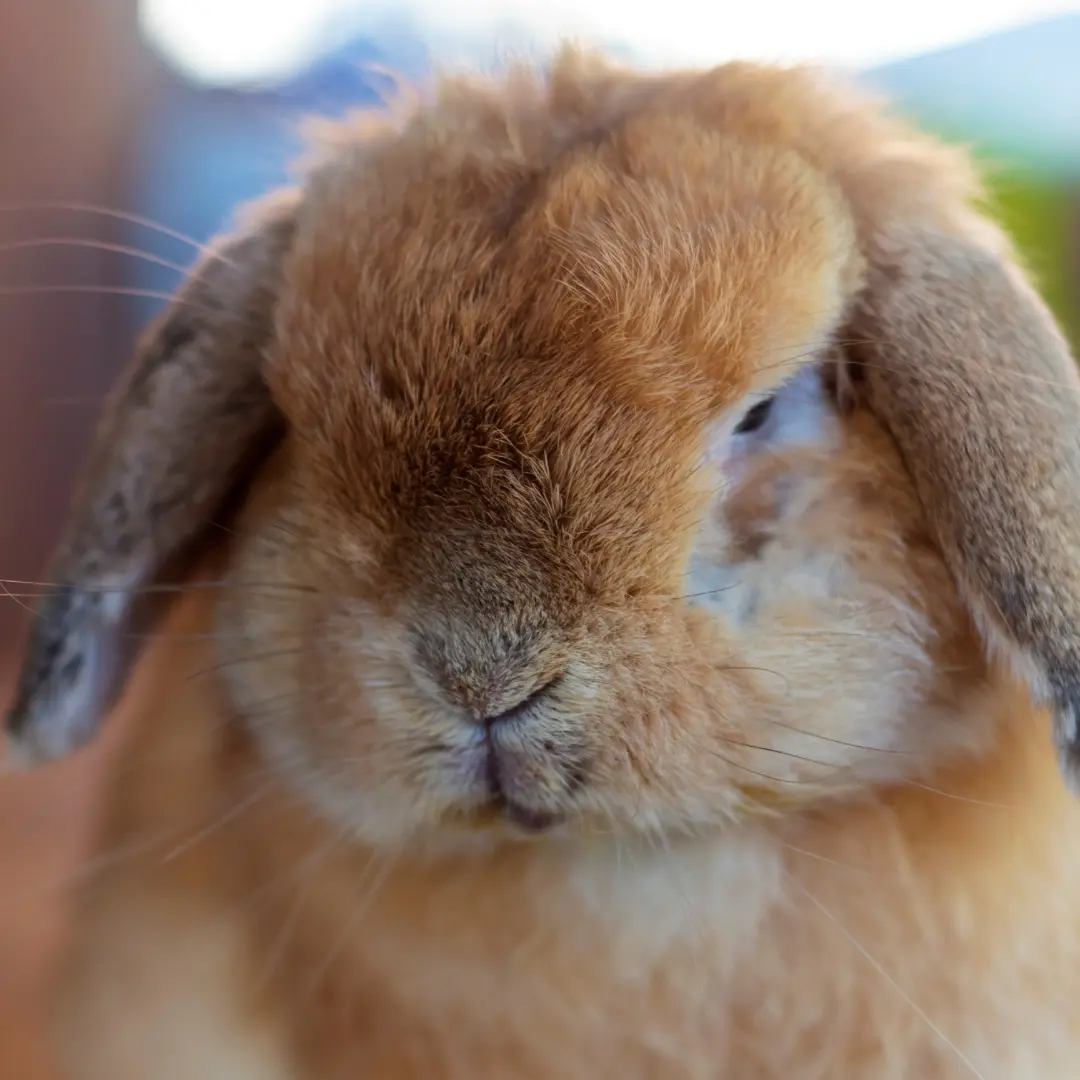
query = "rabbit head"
{"x": 628, "y": 454}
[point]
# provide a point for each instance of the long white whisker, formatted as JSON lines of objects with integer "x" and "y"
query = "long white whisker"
{"x": 907, "y": 998}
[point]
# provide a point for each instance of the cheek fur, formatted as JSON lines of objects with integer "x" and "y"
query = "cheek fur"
{"x": 787, "y": 669}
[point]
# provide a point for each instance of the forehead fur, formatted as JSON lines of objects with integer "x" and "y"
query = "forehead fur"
{"x": 552, "y": 278}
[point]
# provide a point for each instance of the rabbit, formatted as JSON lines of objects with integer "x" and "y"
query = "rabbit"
{"x": 627, "y": 621}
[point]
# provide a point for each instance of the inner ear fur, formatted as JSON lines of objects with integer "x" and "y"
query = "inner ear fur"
{"x": 180, "y": 431}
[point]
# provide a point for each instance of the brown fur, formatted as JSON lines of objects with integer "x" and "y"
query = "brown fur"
{"x": 763, "y": 805}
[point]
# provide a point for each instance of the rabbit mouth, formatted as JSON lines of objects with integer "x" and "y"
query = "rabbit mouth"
{"x": 503, "y": 803}
{"x": 529, "y": 773}
{"x": 520, "y": 788}
{"x": 526, "y": 819}
{"x": 498, "y": 812}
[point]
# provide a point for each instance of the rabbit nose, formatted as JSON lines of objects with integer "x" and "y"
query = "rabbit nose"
{"x": 520, "y": 708}
{"x": 491, "y": 676}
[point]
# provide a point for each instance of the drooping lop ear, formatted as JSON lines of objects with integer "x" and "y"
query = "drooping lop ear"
{"x": 178, "y": 433}
{"x": 966, "y": 367}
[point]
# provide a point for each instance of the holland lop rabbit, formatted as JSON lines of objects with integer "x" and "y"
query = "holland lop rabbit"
{"x": 642, "y": 638}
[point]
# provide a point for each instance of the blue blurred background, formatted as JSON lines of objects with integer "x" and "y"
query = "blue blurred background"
{"x": 130, "y": 130}
{"x": 221, "y": 127}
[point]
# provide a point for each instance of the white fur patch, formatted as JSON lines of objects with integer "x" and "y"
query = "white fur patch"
{"x": 800, "y": 415}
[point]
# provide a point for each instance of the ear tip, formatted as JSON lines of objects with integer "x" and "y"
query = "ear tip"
{"x": 19, "y": 753}
{"x": 17, "y": 735}
{"x": 62, "y": 691}
{"x": 30, "y": 739}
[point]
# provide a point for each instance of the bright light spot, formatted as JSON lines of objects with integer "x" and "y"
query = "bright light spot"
{"x": 228, "y": 41}
{"x": 842, "y": 32}
{"x": 223, "y": 42}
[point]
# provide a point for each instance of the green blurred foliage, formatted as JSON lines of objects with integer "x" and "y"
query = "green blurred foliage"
{"x": 1038, "y": 213}
{"x": 1038, "y": 205}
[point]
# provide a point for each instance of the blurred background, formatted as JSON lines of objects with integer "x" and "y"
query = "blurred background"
{"x": 130, "y": 130}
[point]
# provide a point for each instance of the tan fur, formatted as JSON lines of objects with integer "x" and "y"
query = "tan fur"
{"x": 763, "y": 805}
{"x": 728, "y": 955}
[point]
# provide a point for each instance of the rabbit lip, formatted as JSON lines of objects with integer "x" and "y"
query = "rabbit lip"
{"x": 528, "y": 819}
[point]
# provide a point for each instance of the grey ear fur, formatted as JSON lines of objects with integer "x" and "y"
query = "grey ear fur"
{"x": 177, "y": 435}
{"x": 966, "y": 367}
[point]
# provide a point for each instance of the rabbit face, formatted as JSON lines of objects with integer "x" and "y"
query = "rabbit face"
{"x": 806, "y": 642}
{"x": 515, "y": 469}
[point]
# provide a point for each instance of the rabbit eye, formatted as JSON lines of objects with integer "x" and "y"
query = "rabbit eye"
{"x": 755, "y": 417}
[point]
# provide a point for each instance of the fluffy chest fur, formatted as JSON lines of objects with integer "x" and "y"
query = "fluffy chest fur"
{"x": 761, "y": 955}
{"x": 928, "y": 933}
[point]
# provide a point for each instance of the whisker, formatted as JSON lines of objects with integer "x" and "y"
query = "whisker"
{"x": 118, "y": 215}
{"x": 877, "y": 966}
{"x": 252, "y": 658}
{"x": 959, "y": 798}
{"x": 351, "y": 923}
{"x": 90, "y": 869}
{"x": 707, "y": 592}
{"x": 761, "y": 670}
{"x": 822, "y": 858}
{"x": 15, "y": 597}
{"x": 93, "y": 868}
{"x": 783, "y": 753}
{"x": 1021, "y": 378}
{"x": 105, "y": 290}
{"x": 836, "y": 767}
{"x": 763, "y": 775}
{"x": 812, "y": 348}
{"x": 224, "y": 819}
{"x": 306, "y": 540}
{"x": 838, "y": 742}
{"x": 161, "y": 588}
{"x": 121, "y": 290}
{"x": 95, "y": 245}
{"x": 274, "y": 955}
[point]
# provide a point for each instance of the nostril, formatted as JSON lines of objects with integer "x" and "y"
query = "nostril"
{"x": 522, "y": 706}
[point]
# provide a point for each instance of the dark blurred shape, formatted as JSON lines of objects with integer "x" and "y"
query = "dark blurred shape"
{"x": 69, "y": 92}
